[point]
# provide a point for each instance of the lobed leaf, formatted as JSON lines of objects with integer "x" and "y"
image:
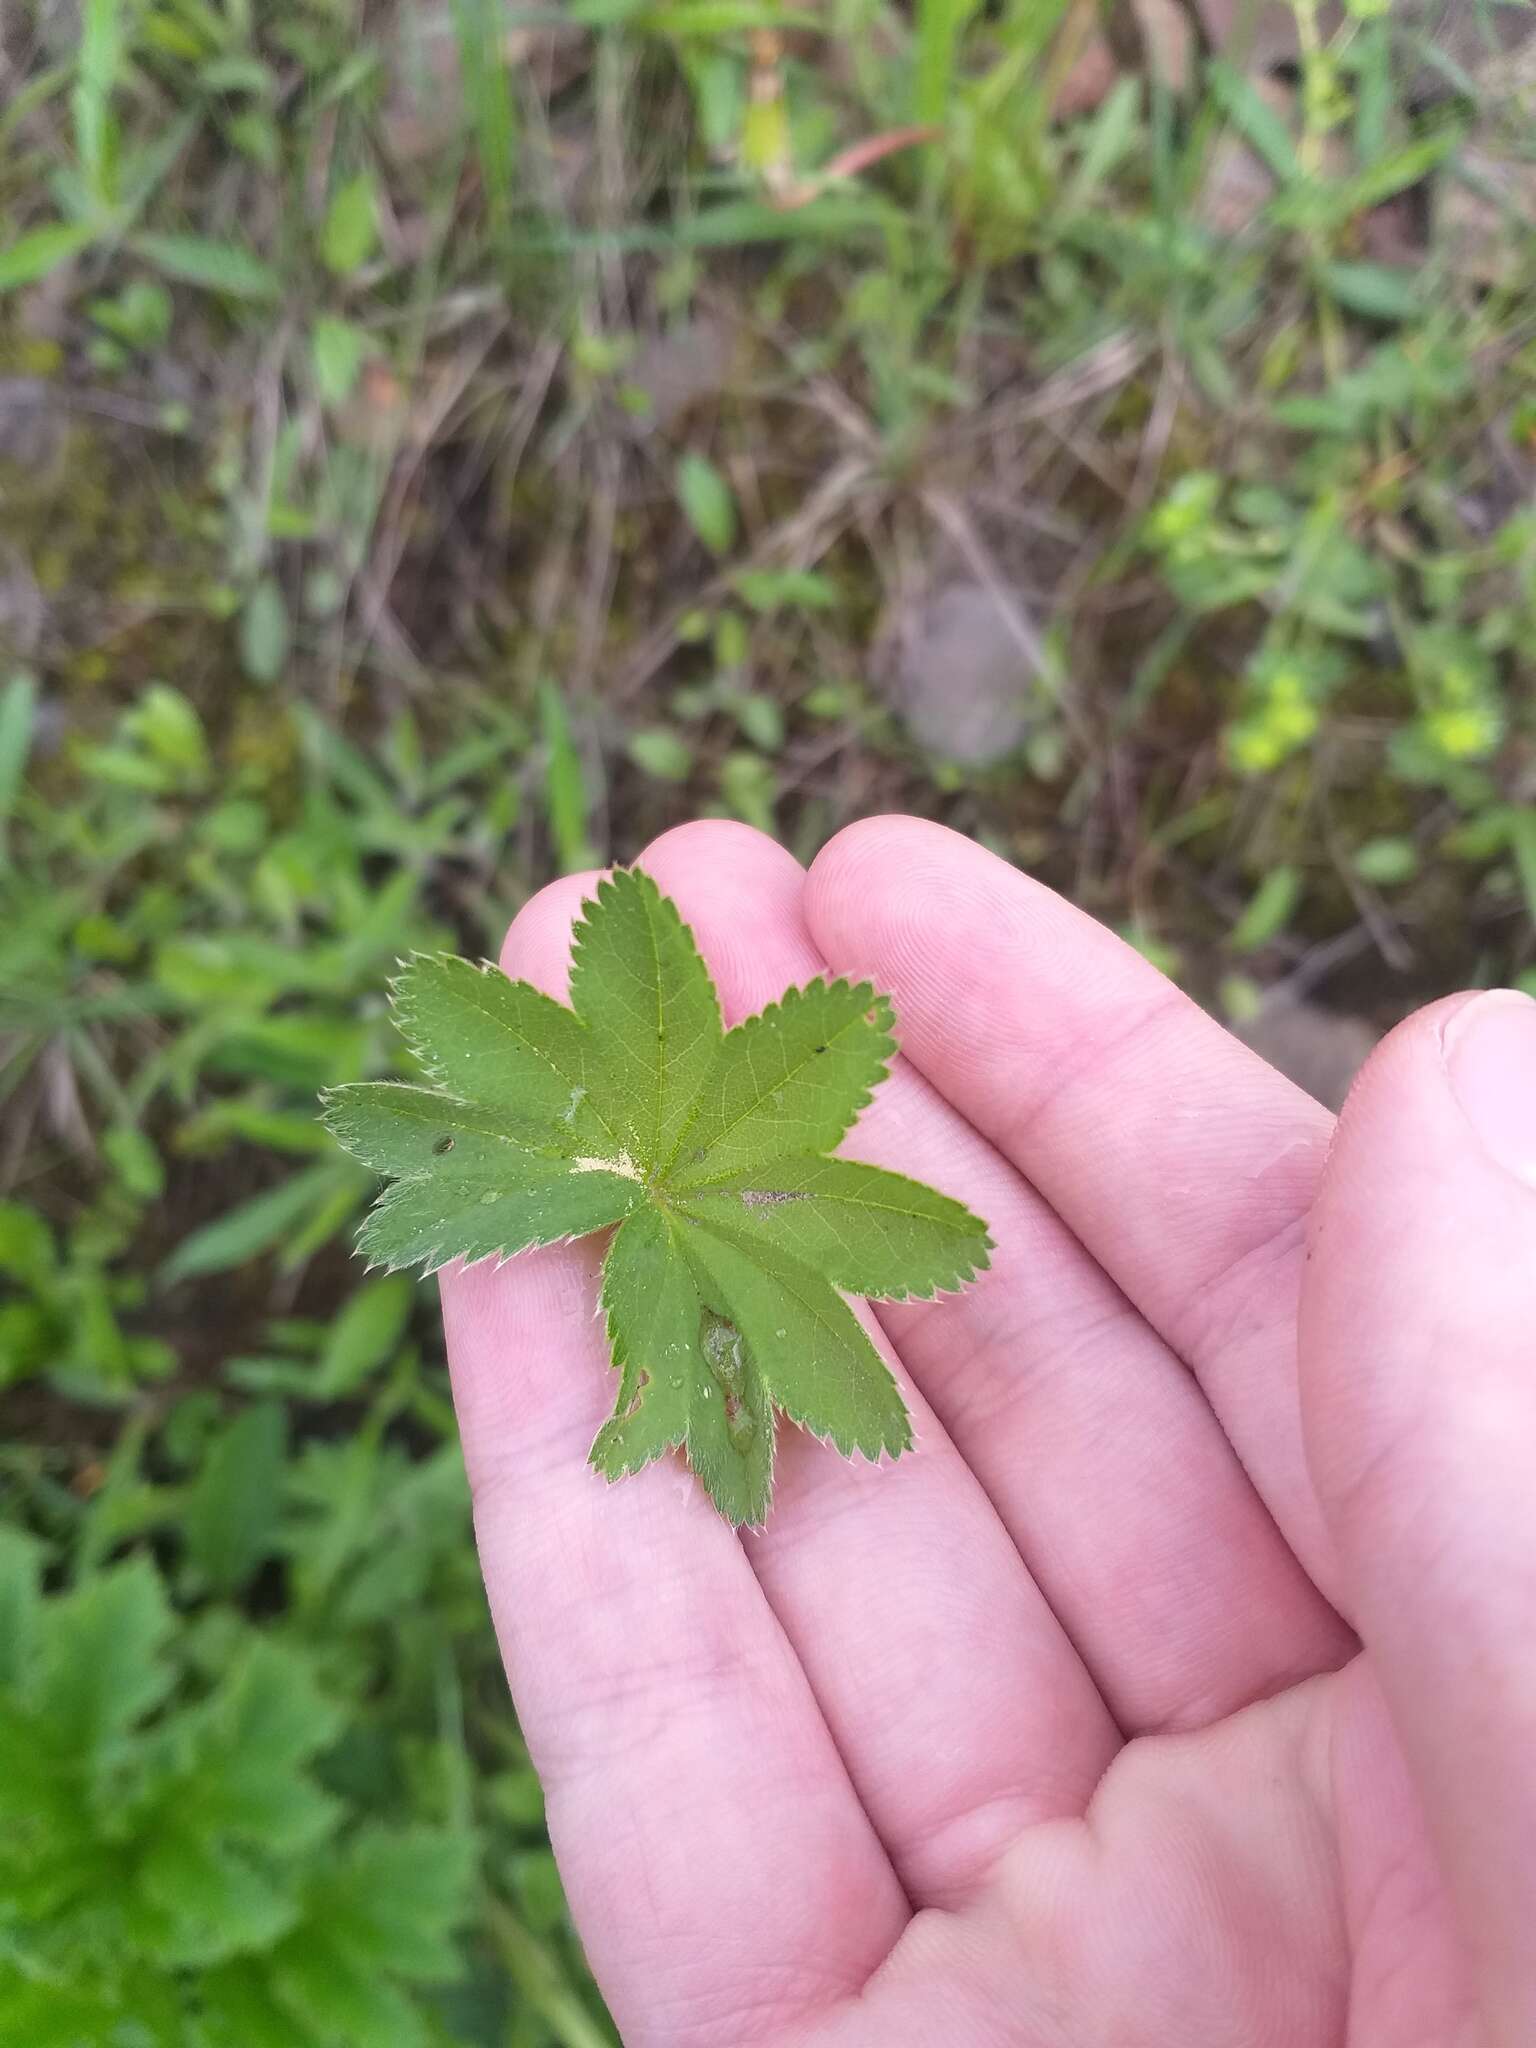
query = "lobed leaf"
{"x": 102, "y": 1667}
{"x": 214, "y": 1903}
{"x": 706, "y": 1148}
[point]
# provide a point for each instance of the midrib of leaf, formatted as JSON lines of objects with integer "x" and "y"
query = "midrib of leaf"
{"x": 740, "y": 1241}
{"x": 653, "y": 1162}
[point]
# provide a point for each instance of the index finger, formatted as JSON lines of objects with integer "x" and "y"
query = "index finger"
{"x": 723, "y": 1874}
{"x": 1178, "y": 1158}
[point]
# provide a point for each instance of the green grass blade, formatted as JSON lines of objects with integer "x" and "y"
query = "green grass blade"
{"x": 102, "y": 53}
{"x": 39, "y": 254}
{"x": 565, "y": 788}
{"x": 489, "y": 104}
{"x": 214, "y": 265}
{"x": 251, "y": 1228}
{"x": 1255, "y": 120}
{"x": 18, "y": 707}
{"x": 940, "y": 25}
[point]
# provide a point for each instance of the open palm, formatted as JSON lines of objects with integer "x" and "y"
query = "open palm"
{"x": 1058, "y": 1732}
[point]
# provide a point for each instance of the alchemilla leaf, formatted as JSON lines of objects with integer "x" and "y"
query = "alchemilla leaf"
{"x": 737, "y": 1235}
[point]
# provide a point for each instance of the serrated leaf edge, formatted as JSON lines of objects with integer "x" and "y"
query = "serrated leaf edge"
{"x": 851, "y": 1447}
{"x": 433, "y": 1262}
{"x": 401, "y": 1013}
{"x": 859, "y": 1101}
{"x": 630, "y": 1467}
{"x": 436, "y": 1093}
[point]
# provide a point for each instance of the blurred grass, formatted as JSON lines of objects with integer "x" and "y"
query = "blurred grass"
{"x": 441, "y": 447}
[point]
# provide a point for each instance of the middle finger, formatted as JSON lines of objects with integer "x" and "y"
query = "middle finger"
{"x": 962, "y": 1712}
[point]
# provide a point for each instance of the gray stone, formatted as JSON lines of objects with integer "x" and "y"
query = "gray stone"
{"x": 1320, "y": 1050}
{"x": 23, "y": 612}
{"x": 960, "y": 678}
{"x": 682, "y": 368}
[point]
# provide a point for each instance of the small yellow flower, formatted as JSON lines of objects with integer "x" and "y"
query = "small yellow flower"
{"x": 1463, "y": 732}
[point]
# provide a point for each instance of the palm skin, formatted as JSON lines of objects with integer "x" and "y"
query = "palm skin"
{"x": 1059, "y": 1731}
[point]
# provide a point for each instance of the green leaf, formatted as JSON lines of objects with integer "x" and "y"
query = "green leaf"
{"x": 491, "y": 104}
{"x": 565, "y": 787}
{"x": 216, "y": 1903}
{"x": 873, "y": 1232}
{"x": 1375, "y": 290}
{"x": 337, "y": 1999}
{"x": 26, "y": 1244}
{"x": 18, "y": 707}
{"x": 707, "y": 503}
{"x": 102, "y": 1669}
{"x": 363, "y": 1337}
{"x": 1255, "y": 119}
{"x": 135, "y": 1161}
{"x": 708, "y": 1150}
{"x": 103, "y": 46}
{"x": 231, "y": 1516}
{"x": 652, "y": 1017}
{"x": 396, "y": 1898}
{"x": 528, "y": 1201}
{"x": 1387, "y": 863}
{"x": 238, "y": 2007}
{"x": 338, "y": 349}
{"x": 20, "y": 1606}
{"x": 1393, "y": 174}
{"x": 266, "y": 634}
{"x": 403, "y": 1131}
{"x": 254, "y": 1227}
{"x": 386, "y": 1910}
{"x": 1522, "y": 840}
{"x": 661, "y": 752}
{"x": 1268, "y": 910}
{"x": 217, "y": 266}
{"x": 256, "y": 1737}
{"x": 351, "y": 226}
{"x": 940, "y": 26}
{"x": 40, "y": 253}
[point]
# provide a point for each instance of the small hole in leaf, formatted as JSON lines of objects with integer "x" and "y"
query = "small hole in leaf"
{"x": 443, "y": 1145}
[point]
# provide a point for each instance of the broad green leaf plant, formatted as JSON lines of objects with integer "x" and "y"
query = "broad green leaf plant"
{"x": 737, "y": 1234}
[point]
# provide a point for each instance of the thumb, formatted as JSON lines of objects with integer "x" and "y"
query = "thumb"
{"x": 1418, "y": 1379}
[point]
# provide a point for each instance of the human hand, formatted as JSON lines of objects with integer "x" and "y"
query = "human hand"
{"x": 1057, "y": 1734}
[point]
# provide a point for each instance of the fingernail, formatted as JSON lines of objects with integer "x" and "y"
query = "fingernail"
{"x": 1490, "y": 1055}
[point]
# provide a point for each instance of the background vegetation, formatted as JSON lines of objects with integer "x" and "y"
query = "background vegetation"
{"x": 441, "y": 445}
